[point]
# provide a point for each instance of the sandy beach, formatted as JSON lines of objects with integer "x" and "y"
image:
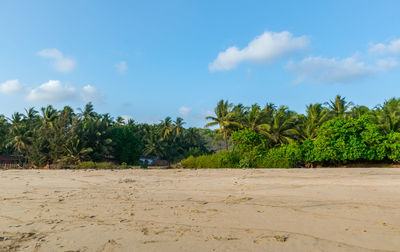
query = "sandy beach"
{"x": 200, "y": 210}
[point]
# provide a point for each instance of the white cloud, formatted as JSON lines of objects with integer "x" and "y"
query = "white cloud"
{"x": 59, "y": 61}
{"x": 11, "y": 87}
{"x": 184, "y": 111}
{"x": 392, "y": 48}
{"x": 90, "y": 94}
{"x": 268, "y": 47}
{"x": 121, "y": 67}
{"x": 386, "y": 64}
{"x": 334, "y": 70}
{"x": 52, "y": 91}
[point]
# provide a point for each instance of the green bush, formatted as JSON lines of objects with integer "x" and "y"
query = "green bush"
{"x": 342, "y": 140}
{"x": 393, "y": 146}
{"x": 337, "y": 141}
{"x": 245, "y": 163}
{"x": 95, "y": 165}
{"x": 249, "y": 142}
{"x": 286, "y": 156}
{"x": 126, "y": 144}
{"x": 223, "y": 159}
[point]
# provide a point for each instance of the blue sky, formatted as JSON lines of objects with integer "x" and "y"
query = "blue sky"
{"x": 150, "y": 59}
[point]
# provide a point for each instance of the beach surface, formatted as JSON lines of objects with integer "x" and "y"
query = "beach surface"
{"x": 200, "y": 210}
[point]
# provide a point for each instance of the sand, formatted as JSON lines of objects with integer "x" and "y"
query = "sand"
{"x": 200, "y": 210}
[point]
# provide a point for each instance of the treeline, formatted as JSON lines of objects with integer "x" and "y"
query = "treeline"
{"x": 65, "y": 137}
{"x": 330, "y": 134}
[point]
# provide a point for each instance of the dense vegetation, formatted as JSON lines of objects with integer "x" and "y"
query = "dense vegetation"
{"x": 334, "y": 133}
{"x": 67, "y": 138}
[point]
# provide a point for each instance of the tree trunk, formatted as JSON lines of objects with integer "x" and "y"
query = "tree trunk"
{"x": 225, "y": 140}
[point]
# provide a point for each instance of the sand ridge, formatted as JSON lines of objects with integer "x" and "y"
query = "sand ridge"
{"x": 200, "y": 210}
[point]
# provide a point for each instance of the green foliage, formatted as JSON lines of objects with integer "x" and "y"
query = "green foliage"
{"x": 332, "y": 133}
{"x": 64, "y": 137}
{"x": 350, "y": 139}
{"x": 223, "y": 159}
{"x": 245, "y": 163}
{"x": 286, "y": 156}
{"x": 393, "y": 146}
{"x": 249, "y": 141}
{"x": 95, "y": 165}
{"x": 126, "y": 144}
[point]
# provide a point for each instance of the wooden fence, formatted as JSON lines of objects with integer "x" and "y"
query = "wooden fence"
{"x": 14, "y": 166}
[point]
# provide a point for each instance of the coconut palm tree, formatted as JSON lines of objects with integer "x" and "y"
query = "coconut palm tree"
{"x": 339, "y": 106}
{"x": 31, "y": 114}
{"x": 256, "y": 118}
{"x": 75, "y": 151}
{"x": 358, "y": 111}
{"x": 88, "y": 112}
{"x": 4, "y": 133}
{"x": 388, "y": 115}
{"x": 16, "y": 118}
{"x": 222, "y": 118}
{"x": 20, "y": 139}
{"x": 130, "y": 122}
{"x": 315, "y": 116}
{"x": 178, "y": 126}
{"x": 49, "y": 114}
{"x": 120, "y": 121}
{"x": 154, "y": 146}
{"x": 281, "y": 130}
{"x": 166, "y": 127}
{"x": 192, "y": 136}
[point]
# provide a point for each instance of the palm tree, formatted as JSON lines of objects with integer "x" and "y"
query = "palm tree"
{"x": 358, "y": 111}
{"x": 178, "y": 126}
{"x": 315, "y": 116}
{"x": 4, "y": 133}
{"x": 120, "y": 121}
{"x": 281, "y": 130}
{"x": 49, "y": 115}
{"x": 16, "y": 118}
{"x": 88, "y": 112}
{"x": 339, "y": 106}
{"x": 256, "y": 118}
{"x": 388, "y": 115}
{"x": 166, "y": 127}
{"x": 20, "y": 138}
{"x": 75, "y": 151}
{"x": 222, "y": 118}
{"x": 154, "y": 146}
{"x": 31, "y": 113}
{"x": 130, "y": 122}
{"x": 192, "y": 136}
{"x": 236, "y": 116}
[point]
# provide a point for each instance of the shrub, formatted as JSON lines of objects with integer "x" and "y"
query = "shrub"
{"x": 223, "y": 159}
{"x": 250, "y": 142}
{"x": 245, "y": 163}
{"x": 392, "y": 145}
{"x": 342, "y": 140}
{"x": 286, "y": 156}
{"x": 94, "y": 165}
{"x": 126, "y": 144}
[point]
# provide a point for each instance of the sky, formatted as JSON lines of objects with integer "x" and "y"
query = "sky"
{"x": 150, "y": 59}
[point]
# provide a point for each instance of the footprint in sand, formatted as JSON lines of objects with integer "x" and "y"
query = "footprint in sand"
{"x": 233, "y": 200}
{"x": 110, "y": 245}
